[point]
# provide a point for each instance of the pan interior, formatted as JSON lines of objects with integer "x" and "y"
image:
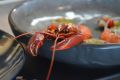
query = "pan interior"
{"x": 36, "y": 15}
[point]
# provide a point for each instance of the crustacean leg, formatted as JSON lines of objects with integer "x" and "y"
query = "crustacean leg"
{"x": 35, "y": 42}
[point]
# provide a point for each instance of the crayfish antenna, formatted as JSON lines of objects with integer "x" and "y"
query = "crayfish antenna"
{"x": 22, "y": 35}
{"x": 33, "y": 46}
{"x": 52, "y": 61}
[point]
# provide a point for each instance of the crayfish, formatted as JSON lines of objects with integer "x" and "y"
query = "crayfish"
{"x": 111, "y": 31}
{"x": 104, "y": 20}
{"x": 64, "y": 36}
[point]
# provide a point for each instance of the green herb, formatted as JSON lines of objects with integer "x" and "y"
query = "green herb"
{"x": 63, "y": 20}
{"x": 94, "y": 41}
{"x": 117, "y": 23}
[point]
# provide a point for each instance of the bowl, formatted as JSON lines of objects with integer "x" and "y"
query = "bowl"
{"x": 11, "y": 56}
{"x": 35, "y": 15}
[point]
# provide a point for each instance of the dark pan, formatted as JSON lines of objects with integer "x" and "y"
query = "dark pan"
{"x": 34, "y": 15}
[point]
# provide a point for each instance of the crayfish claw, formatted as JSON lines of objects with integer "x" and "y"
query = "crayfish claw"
{"x": 35, "y": 43}
{"x": 31, "y": 49}
{"x": 69, "y": 42}
{"x": 38, "y": 46}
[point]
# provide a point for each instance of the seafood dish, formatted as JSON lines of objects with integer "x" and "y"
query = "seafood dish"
{"x": 65, "y": 35}
{"x": 79, "y": 33}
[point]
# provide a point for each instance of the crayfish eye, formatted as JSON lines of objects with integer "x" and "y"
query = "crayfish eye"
{"x": 62, "y": 28}
{"x": 72, "y": 28}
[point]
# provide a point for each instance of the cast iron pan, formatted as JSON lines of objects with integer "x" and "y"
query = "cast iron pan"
{"x": 34, "y": 15}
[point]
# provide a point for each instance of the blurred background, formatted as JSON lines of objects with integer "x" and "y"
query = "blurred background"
{"x": 5, "y": 8}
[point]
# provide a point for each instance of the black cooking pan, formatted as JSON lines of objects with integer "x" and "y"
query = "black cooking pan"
{"x": 34, "y": 15}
